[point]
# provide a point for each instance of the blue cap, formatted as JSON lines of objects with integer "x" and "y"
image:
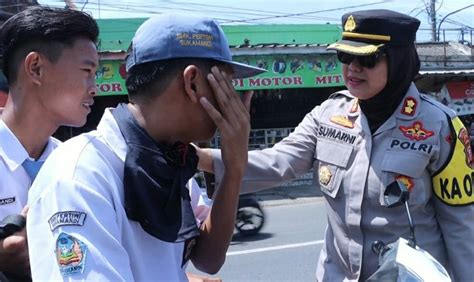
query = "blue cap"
{"x": 170, "y": 36}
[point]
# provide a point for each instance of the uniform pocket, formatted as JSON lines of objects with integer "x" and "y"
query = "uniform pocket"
{"x": 407, "y": 167}
{"x": 331, "y": 159}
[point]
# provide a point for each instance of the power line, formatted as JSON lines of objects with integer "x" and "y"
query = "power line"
{"x": 449, "y": 14}
{"x": 136, "y": 8}
{"x": 312, "y": 12}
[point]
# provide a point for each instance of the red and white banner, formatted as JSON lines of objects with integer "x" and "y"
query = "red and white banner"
{"x": 460, "y": 89}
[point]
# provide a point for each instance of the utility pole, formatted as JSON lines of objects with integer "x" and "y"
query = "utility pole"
{"x": 433, "y": 20}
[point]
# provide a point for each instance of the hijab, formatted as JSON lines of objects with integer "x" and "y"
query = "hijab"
{"x": 403, "y": 65}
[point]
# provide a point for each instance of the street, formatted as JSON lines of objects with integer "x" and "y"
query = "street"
{"x": 286, "y": 249}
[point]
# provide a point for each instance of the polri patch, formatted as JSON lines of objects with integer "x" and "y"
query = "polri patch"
{"x": 416, "y": 131}
{"x": 70, "y": 254}
{"x": 66, "y": 218}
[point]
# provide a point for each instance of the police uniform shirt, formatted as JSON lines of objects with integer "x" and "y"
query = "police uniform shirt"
{"x": 353, "y": 167}
{"x": 14, "y": 181}
{"x": 77, "y": 226}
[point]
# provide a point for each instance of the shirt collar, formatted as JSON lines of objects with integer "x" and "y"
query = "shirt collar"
{"x": 109, "y": 130}
{"x": 13, "y": 152}
{"x": 407, "y": 110}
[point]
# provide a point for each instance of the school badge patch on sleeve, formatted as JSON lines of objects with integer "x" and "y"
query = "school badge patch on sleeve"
{"x": 70, "y": 254}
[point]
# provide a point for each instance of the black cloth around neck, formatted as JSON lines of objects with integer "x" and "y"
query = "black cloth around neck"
{"x": 154, "y": 182}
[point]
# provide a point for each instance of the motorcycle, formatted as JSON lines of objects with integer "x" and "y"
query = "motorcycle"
{"x": 403, "y": 260}
{"x": 250, "y": 216}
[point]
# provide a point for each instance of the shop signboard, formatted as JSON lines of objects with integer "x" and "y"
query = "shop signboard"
{"x": 461, "y": 89}
{"x": 110, "y": 78}
{"x": 283, "y": 71}
{"x": 292, "y": 71}
{"x": 459, "y": 95}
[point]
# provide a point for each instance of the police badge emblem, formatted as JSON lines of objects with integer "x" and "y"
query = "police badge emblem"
{"x": 350, "y": 24}
{"x": 325, "y": 175}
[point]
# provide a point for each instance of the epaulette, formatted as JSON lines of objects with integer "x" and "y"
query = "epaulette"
{"x": 450, "y": 112}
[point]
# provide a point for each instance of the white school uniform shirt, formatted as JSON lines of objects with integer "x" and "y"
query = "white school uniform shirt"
{"x": 14, "y": 181}
{"x": 77, "y": 226}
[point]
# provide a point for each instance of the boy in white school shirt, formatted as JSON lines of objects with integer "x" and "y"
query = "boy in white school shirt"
{"x": 50, "y": 60}
{"x": 117, "y": 203}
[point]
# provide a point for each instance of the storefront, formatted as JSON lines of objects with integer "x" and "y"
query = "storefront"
{"x": 300, "y": 72}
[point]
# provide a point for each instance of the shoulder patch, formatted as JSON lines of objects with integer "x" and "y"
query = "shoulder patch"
{"x": 453, "y": 185}
{"x": 70, "y": 254}
{"x": 409, "y": 106}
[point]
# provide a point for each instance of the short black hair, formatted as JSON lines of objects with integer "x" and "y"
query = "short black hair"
{"x": 44, "y": 30}
{"x": 148, "y": 80}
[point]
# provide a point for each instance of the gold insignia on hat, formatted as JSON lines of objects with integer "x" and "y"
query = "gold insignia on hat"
{"x": 325, "y": 175}
{"x": 342, "y": 120}
{"x": 350, "y": 24}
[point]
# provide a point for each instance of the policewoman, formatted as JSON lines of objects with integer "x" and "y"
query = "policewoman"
{"x": 381, "y": 129}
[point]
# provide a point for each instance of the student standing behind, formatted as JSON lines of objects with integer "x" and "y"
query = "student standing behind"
{"x": 116, "y": 203}
{"x": 50, "y": 60}
{"x": 361, "y": 140}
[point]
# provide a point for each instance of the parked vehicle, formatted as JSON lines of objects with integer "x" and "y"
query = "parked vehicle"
{"x": 250, "y": 216}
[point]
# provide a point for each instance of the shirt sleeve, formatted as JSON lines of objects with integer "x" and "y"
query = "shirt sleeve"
{"x": 69, "y": 242}
{"x": 200, "y": 203}
{"x": 454, "y": 200}
{"x": 286, "y": 160}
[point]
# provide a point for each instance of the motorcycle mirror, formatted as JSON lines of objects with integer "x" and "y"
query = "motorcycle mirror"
{"x": 379, "y": 248}
{"x": 396, "y": 194}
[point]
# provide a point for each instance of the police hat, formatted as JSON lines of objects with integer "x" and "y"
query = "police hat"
{"x": 365, "y": 32}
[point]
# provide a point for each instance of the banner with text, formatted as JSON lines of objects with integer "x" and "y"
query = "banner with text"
{"x": 292, "y": 71}
{"x": 283, "y": 71}
{"x": 110, "y": 78}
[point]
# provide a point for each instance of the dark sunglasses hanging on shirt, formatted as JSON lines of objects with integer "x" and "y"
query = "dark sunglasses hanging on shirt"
{"x": 365, "y": 61}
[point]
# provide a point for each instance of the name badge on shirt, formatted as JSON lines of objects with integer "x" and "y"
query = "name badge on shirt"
{"x": 7, "y": 201}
